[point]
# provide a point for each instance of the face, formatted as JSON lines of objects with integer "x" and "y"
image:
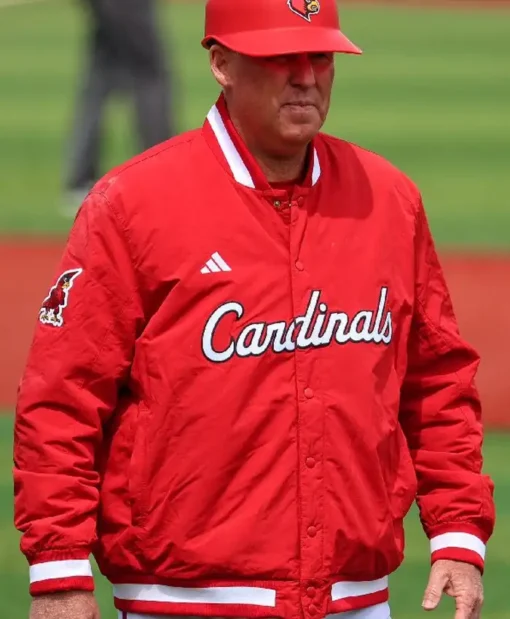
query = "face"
{"x": 280, "y": 102}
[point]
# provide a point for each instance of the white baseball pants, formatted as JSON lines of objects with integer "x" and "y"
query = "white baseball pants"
{"x": 379, "y": 611}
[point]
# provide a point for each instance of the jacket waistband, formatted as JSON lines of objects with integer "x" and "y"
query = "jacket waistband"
{"x": 190, "y": 601}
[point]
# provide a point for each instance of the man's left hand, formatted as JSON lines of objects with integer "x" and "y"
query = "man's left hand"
{"x": 461, "y": 581}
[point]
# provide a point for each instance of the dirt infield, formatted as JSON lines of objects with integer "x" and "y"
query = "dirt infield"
{"x": 479, "y": 287}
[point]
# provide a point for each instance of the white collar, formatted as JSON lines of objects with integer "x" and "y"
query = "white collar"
{"x": 233, "y": 157}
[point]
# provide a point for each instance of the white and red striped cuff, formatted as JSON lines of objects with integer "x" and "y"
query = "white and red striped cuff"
{"x": 66, "y": 575}
{"x": 454, "y": 546}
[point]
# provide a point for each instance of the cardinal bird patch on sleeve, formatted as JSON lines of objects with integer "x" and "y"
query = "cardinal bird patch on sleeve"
{"x": 52, "y": 310}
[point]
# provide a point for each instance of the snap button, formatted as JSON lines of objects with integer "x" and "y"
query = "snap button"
{"x": 312, "y": 531}
{"x": 310, "y": 462}
{"x": 312, "y": 609}
{"x": 310, "y": 592}
{"x": 300, "y": 266}
{"x": 308, "y": 393}
{"x": 277, "y": 204}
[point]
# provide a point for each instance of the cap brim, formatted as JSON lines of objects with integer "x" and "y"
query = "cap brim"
{"x": 286, "y": 41}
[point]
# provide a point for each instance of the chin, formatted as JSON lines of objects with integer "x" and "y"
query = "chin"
{"x": 300, "y": 134}
{"x": 302, "y": 128}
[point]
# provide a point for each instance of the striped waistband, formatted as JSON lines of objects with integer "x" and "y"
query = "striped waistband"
{"x": 188, "y": 601}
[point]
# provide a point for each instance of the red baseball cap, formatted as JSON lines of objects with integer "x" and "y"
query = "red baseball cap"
{"x": 276, "y": 27}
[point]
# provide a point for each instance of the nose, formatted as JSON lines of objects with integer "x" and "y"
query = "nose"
{"x": 303, "y": 73}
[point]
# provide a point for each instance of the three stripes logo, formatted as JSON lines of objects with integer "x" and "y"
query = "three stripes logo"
{"x": 215, "y": 264}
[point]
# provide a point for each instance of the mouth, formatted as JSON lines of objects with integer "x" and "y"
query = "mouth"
{"x": 300, "y": 104}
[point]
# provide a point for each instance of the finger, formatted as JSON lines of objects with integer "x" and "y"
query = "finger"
{"x": 437, "y": 582}
{"x": 467, "y": 607}
{"x": 450, "y": 589}
{"x": 463, "y": 613}
{"x": 477, "y": 612}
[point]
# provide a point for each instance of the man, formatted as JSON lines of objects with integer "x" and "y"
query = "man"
{"x": 125, "y": 54}
{"x": 258, "y": 368}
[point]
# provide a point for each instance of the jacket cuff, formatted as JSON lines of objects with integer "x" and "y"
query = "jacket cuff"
{"x": 467, "y": 546}
{"x": 65, "y": 574}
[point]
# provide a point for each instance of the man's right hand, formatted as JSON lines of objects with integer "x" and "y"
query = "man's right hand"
{"x": 67, "y": 605}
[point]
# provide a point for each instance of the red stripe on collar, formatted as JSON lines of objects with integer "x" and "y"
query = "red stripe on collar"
{"x": 259, "y": 179}
{"x": 241, "y": 162}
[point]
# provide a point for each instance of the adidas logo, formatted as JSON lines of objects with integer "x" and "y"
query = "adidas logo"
{"x": 215, "y": 265}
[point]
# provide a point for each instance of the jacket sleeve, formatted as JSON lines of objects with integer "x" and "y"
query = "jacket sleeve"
{"x": 79, "y": 358}
{"x": 440, "y": 415}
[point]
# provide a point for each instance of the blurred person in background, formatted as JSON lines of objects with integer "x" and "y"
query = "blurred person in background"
{"x": 125, "y": 53}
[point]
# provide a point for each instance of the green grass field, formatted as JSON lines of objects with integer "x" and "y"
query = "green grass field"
{"x": 407, "y": 585}
{"x": 431, "y": 93}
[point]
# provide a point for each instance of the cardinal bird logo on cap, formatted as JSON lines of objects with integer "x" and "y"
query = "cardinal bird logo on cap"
{"x": 304, "y": 8}
{"x": 57, "y": 299}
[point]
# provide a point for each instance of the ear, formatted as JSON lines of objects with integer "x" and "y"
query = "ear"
{"x": 220, "y": 61}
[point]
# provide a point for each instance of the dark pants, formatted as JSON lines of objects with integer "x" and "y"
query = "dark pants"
{"x": 125, "y": 54}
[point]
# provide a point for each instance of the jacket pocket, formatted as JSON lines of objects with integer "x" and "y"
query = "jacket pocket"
{"x": 138, "y": 466}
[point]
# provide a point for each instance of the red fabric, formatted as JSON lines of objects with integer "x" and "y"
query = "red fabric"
{"x": 239, "y": 610}
{"x": 188, "y": 403}
{"x": 59, "y": 554}
{"x": 354, "y": 603}
{"x": 286, "y": 186}
{"x": 255, "y": 171}
{"x": 198, "y": 610}
{"x": 268, "y": 28}
{"x": 457, "y": 527}
{"x": 126, "y": 578}
{"x": 459, "y": 554}
{"x": 54, "y": 585}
